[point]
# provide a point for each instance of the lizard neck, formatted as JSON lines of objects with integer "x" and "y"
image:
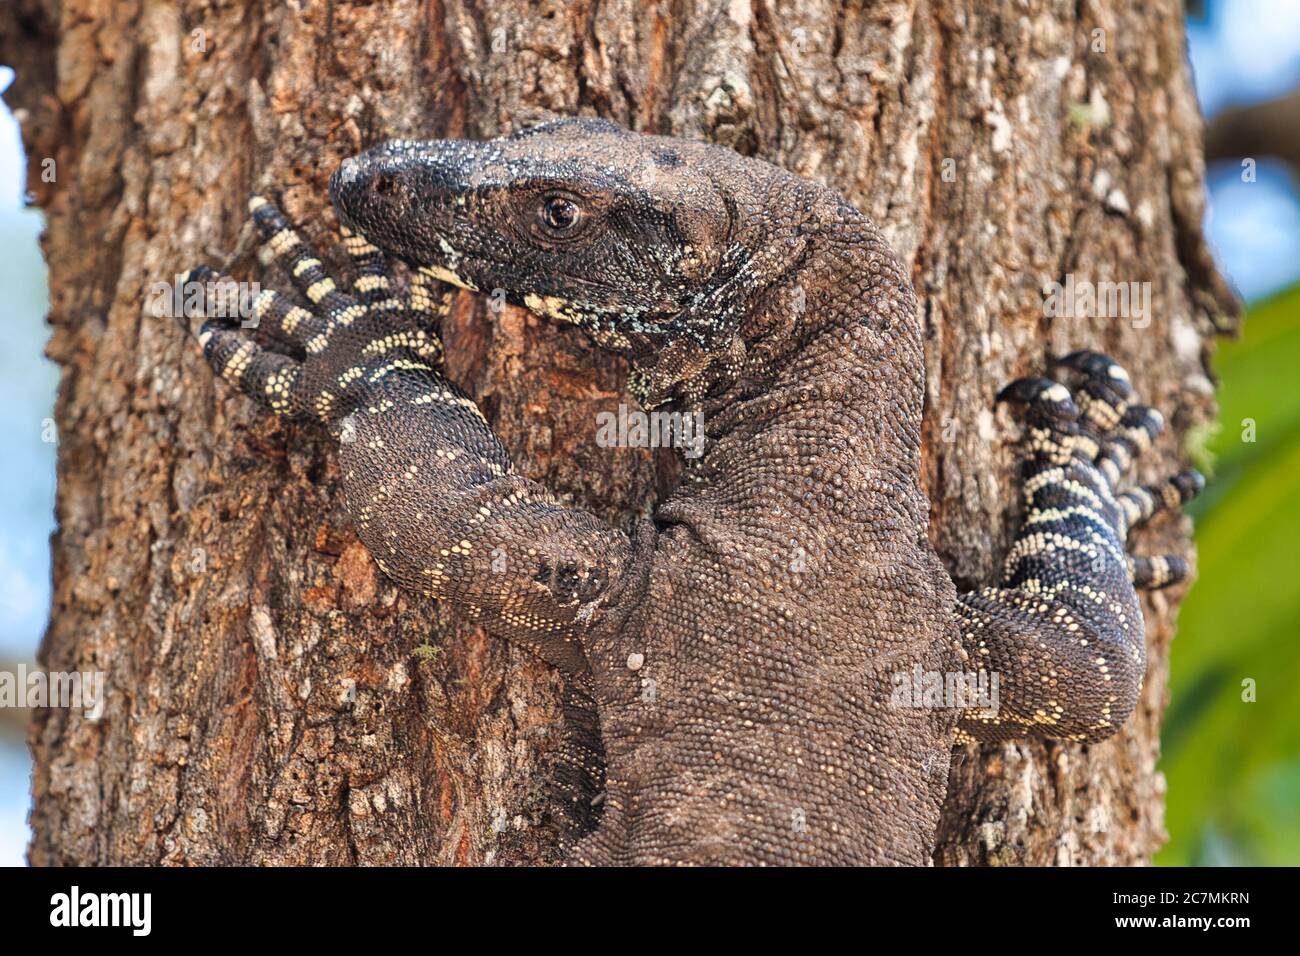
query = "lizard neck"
{"x": 832, "y": 352}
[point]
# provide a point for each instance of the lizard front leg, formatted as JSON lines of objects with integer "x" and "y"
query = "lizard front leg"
{"x": 1063, "y": 630}
{"x": 433, "y": 492}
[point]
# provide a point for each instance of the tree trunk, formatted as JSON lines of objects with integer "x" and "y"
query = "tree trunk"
{"x": 267, "y": 702}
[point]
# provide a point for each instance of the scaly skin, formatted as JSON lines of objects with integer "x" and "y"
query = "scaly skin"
{"x": 743, "y": 647}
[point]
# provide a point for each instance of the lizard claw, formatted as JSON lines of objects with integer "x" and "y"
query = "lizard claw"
{"x": 1046, "y": 400}
{"x": 1099, "y": 368}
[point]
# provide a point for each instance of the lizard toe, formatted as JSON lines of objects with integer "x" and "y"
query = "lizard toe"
{"x": 1158, "y": 571}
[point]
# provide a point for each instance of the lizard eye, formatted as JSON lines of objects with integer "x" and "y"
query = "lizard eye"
{"x": 560, "y": 215}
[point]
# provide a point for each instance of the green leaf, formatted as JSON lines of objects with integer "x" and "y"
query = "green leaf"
{"x": 1233, "y": 766}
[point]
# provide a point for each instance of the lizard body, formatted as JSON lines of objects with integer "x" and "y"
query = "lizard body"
{"x": 743, "y": 647}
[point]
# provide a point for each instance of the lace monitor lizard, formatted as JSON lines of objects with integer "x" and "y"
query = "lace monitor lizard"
{"x": 777, "y": 310}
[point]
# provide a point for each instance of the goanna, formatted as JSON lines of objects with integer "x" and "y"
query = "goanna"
{"x": 776, "y": 310}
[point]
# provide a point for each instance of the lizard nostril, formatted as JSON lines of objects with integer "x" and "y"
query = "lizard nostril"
{"x": 384, "y": 184}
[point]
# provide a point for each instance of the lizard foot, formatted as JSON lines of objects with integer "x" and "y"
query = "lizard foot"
{"x": 337, "y": 344}
{"x": 1081, "y": 443}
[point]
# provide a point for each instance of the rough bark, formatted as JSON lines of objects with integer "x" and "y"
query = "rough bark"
{"x": 266, "y": 703}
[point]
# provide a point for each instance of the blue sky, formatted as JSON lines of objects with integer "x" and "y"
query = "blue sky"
{"x": 27, "y": 388}
{"x": 1254, "y": 227}
{"x": 1252, "y": 54}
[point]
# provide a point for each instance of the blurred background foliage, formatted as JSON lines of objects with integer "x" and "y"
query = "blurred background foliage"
{"x": 1233, "y": 765}
{"x": 1231, "y": 739}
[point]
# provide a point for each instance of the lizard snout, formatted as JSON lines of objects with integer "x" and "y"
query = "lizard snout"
{"x": 365, "y": 191}
{"x": 400, "y": 195}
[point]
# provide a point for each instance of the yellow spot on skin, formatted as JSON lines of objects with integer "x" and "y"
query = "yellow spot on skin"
{"x": 358, "y": 245}
{"x": 294, "y": 318}
{"x": 446, "y": 275}
{"x": 239, "y": 362}
{"x": 319, "y": 290}
{"x": 549, "y": 305}
{"x": 262, "y": 302}
{"x": 349, "y": 315}
{"x": 283, "y": 241}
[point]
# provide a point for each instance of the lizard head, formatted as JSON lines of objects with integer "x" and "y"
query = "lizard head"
{"x": 640, "y": 240}
{"x": 578, "y": 219}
